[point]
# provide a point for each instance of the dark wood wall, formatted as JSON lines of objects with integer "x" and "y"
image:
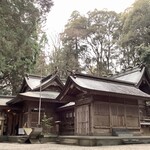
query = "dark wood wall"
{"x": 83, "y": 115}
{"x": 113, "y": 112}
{"x": 83, "y": 119}
{"x": 66, "y": 118}
{"x": 31, "y": 112}
{"x": 98, "y": 115}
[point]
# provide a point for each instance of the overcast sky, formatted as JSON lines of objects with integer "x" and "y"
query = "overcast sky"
{"x": 62, "y": 9}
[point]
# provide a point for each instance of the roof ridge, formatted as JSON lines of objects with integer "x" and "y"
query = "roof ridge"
{"x": 47, "y": 77}
{"x": 33, "y": 75}
{"x": 128, "y": 71}
{"x": 43, "y": 81}
{"x": 103, "y": 78}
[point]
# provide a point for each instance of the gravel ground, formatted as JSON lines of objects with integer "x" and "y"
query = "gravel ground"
{"x": 51, "y": 146}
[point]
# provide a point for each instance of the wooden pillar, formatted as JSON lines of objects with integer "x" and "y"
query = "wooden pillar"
{"x": 138, "y": 113}
{"x": 75, "y": 120}
{"x": 92, "y": 117}
{"x": 110, "y": 115}
{"x": 1, "y": 123}
{"x": 125, "y": 114}
{"x": 29, "y": 116}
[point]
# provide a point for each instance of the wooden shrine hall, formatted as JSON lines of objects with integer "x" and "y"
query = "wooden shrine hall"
{"x": 102, "y": 105}
{"x": 84, "y": 104}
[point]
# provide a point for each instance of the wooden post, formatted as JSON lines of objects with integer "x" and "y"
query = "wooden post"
{"x": 92, "y": 116}
{"x": 125, "y": 114}
{"x": 110, "y": 115}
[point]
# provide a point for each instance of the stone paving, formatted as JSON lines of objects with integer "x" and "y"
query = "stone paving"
{"x": 52, "y": 146}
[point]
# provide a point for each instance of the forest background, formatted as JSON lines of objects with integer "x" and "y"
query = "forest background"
{"x": 99, "y": 43}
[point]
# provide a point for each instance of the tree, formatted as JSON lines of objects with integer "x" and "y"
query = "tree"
{"x": 144, "y": 52}
{"x": 46, "y": 124}
{"x": 102, "y": 39}
{"x": 135, "y": 31}
{"x": 56, "y": 60}
{"x": 41, "y": 67}
{"x": 91, "y": 41}
{"x": 72, "y": 38}
{"x": 21, "y": 22}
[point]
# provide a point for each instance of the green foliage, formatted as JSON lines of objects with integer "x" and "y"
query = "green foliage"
{"x": 135, "y": 30}
{"x": 91, "y": 41}
{"x": 46, "y": 123}
{"x": 136, "y": 25}
{"x": 19, "y": 43}
{"x": 67, "y": 57}
{"x": 94, "y": 43}
{"x": 144, "y": 53}
{"x": 102, "y": 41}
{"x": 103, "y": 27}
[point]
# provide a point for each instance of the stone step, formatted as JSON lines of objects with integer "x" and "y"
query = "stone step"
{"x": 22, "y": 139}
{"x": 131, "y": 141}
{"x": 70, "y": 141}
{"x": 121, "y": 132}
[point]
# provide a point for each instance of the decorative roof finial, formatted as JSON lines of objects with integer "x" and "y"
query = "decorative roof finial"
{"x": 27, "y": 75}
{"x": 72, "y": 73}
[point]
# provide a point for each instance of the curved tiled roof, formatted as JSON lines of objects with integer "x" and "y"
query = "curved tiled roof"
{"x": 108, "y": 86}
{"x": 133, "y": 75}
{"x": 43, "y": 94}
{"x": 4, "y": 99}
{"x": 101, "y": 86}
{"x": 45, "y": 83}
{"x": 67, "y": 105}
{"x": 33, "y": 81}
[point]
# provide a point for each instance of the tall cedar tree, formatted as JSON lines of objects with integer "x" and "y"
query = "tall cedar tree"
{"x": 21, "y": 22}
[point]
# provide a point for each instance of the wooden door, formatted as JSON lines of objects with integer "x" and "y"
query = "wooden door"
{"x": 82, "y": 118}
{"x": 121, "y": 116}
{"x": 117, "y": 115}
